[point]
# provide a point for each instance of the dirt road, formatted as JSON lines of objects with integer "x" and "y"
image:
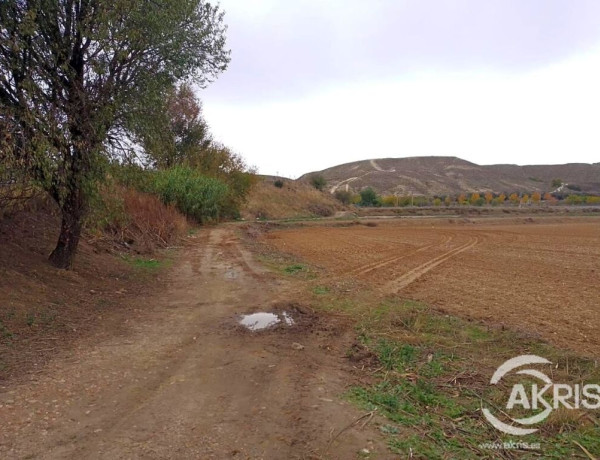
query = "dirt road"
{"x": 188, "y": 382}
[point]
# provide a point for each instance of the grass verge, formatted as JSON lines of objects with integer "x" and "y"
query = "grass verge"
{"x": 148, "y": 266}
{"x": 428, "y": 375}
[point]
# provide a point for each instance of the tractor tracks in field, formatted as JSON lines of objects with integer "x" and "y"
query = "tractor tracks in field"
{"x": 367, "y": 268}
{"x": 404, "y": 279}
{"x": 417, "y": 272}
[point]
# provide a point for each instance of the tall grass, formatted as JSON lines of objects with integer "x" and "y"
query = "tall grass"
{"x": 198, "y": 197}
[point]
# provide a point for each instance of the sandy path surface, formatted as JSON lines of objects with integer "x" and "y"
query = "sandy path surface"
{"x": 188, "y": 382}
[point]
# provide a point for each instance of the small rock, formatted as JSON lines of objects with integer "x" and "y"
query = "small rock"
{"x": 297, "y": 346}
{"x": 365, "y": 451}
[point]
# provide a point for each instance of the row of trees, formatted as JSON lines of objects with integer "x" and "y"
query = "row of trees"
{"x": 368, "y": 197}
{"x": 87, "y": 83}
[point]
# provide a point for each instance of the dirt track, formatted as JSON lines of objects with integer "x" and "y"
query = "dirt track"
{"x": 540, "y": 278}
{"x": 188, "y": 382}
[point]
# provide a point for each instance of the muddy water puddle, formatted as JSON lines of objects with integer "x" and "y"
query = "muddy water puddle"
{"x": 264, "y": 320}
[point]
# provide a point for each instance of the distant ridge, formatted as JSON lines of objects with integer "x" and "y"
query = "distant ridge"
{"x": 451, "y": 175}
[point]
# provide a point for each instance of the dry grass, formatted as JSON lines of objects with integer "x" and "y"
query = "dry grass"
{"x": 150, "y": 219}
{"x": 139, "y": 220}
{"x": 293, "y": 200}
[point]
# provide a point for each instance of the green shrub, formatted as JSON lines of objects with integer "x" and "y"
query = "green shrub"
{"x": 575, "y": 199}
{"x": 198, "y": 197}
{"x": 318, "y": 182}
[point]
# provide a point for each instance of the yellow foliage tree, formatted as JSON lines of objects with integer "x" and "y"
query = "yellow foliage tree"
{"x": 536, "y": 197}
{"x": 514, "y": 198}
{"x": 488, "y": 197}
{"x": 592, "y": 200}
{"x": 389, "y": 200}
{"x": 475, "y": 197}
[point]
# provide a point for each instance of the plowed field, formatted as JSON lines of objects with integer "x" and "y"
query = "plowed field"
{"x": 541, "y": 276}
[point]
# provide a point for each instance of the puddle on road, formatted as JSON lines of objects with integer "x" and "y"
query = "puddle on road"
{"x": 264, "y": 320}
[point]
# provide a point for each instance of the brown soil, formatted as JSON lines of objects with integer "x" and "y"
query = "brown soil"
{"x": 538, "y": 275}
{"x": 180, "y": 379}
{"x": 42, "y": 309}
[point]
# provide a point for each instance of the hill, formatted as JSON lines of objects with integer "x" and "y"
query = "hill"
{"x": 292, "y": 200}
{"x": 451, "y": 175}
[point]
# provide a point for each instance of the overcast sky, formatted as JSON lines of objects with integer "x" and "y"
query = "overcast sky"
{"x": 316, "y": 83}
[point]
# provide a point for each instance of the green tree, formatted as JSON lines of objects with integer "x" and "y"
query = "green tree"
{"x": 75, "y": 75}
{"x": 175, "y": 131}
{"x": 222, "y": 163}
{"x": 368, "y": 197}
{"x": 556, "y": 183}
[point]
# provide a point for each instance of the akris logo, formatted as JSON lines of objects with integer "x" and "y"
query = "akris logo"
{"x": 541, "y": 398}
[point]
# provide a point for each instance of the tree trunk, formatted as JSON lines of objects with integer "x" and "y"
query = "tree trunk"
{"x": 72, "y": 206}
{"x": 68, "y": 240}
